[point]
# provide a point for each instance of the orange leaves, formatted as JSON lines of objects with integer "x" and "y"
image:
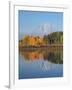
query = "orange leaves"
{"x": 32, "y": 40}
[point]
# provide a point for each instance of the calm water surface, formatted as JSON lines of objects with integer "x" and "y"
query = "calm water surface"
{"x": 40, "y": 63}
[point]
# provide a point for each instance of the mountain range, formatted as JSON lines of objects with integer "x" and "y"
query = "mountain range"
{"x": 42, "y": 29}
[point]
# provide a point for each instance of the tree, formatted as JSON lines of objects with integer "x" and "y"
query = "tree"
{"x": 26, "y": 40}
{"x": 46, "y": 39}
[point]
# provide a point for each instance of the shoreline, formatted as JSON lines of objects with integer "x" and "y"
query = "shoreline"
{"x": 41, "y": 46}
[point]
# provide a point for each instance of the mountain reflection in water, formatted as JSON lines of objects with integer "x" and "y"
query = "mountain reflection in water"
{"x": 45, "y": 59}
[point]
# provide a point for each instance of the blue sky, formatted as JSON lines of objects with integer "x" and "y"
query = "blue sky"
{"x": 30, "y": 21}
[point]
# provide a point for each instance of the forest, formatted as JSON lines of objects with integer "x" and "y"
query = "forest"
{"x": 55, "y": 38}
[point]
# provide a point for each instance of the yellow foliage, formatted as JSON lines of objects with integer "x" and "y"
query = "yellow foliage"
{"x": 32, "y": 40}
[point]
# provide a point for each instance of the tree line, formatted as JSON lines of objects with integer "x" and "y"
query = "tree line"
{"x": 52, "y": 38}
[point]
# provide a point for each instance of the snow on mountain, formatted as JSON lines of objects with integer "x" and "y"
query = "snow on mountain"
{"x": 44, "y": 29}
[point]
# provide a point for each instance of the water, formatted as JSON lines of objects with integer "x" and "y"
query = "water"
{"x": 40, "y": 63}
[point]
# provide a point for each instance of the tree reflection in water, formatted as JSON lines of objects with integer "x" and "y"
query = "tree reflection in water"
{"x": 49, "y": 56}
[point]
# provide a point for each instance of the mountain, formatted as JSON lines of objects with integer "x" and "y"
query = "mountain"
{"x": 44, "y": 29}
{"x": 41, "y": 30}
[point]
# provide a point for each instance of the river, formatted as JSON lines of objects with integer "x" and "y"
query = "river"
{"x": 40, "y": 63}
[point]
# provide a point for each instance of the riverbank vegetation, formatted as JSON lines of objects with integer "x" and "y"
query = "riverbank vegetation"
{"x": 52, "y": 39}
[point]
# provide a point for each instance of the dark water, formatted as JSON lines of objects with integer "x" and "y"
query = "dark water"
{"x": 40, "y": 63}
